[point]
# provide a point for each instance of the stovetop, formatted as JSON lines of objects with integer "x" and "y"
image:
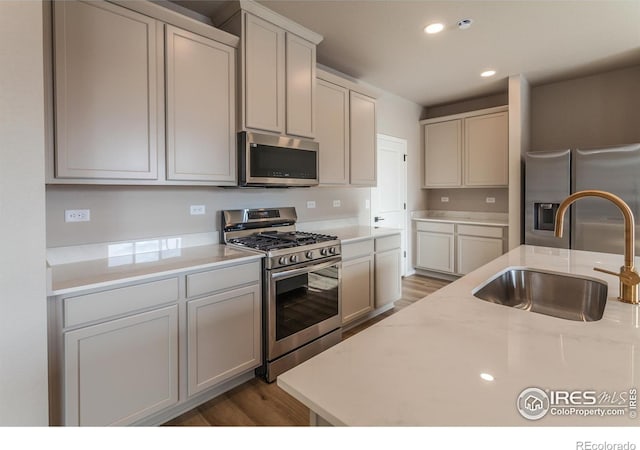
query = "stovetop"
{"x": 277, "y": 240}
{"x": 272, "y": 231}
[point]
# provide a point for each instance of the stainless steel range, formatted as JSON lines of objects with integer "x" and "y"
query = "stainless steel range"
{"x": 301, "y": 284}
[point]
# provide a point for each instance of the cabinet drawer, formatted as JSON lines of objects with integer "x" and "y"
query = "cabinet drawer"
{"x": 101, "y": 305}
{"x": 478, "y": 230}
{"x": 436, "y": 227}
{"x": 387, "y": 243}
{"x": 221, "y": 279}
{"x": 357, "y": 249}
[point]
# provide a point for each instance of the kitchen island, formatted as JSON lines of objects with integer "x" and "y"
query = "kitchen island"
{"x": 453, "y": 359}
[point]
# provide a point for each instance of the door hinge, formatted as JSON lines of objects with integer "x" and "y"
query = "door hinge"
{"x": 405, "y": 253}
{"x": 404, "y": 157}
{"x": 405, "y": 206}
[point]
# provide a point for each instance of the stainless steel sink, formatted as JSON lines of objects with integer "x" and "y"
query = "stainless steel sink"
{"x": 554, "y": 294}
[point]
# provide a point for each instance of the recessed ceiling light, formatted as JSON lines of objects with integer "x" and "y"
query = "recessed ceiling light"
{"x": 434, "y": 28}
{"x": 465, "y": 24}
{"x": 487, "y": 376}
{"x": 488, "y": 73}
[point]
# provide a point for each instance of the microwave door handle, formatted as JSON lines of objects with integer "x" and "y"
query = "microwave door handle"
{"x": 305, "y": 269}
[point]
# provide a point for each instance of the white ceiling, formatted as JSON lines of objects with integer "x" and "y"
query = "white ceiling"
{"x": 382, "y": 42}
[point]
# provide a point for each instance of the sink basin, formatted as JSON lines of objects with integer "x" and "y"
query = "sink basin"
{"x": 554, "y": 294}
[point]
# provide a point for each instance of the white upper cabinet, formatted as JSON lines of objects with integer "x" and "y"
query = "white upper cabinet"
{"x": 486, "y": 142}
{"x": 346, "y": 131}
{"x": 363, "y": 139}
{"x": 278, "y": 69}
{"x": 107, "y": 92}
{"x": 467, "y": 150}
{"x": 264, "y": 76}
{"x": 443, "y": 154}
{"x": 117, "y": 95}
{"x": 301, "y": 86}
{"x": 332, "y": 123}
{"x": 200, "y": 77}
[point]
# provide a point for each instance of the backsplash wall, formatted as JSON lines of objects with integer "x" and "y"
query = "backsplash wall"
{"x": 469, "y": 200}
{"x": 132, "y": 212}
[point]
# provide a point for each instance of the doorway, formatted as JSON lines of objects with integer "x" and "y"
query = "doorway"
{"x": 389, "y": 198}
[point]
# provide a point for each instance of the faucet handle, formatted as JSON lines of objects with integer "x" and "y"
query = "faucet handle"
{"x": 627, "y": 276}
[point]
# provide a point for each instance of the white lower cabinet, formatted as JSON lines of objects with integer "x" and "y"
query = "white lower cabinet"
{"x": 435, "y": 246}
{"x": 223, "y": 336}
{"x": 457, "y": 248}
{"x": 477, "y": 245}
{"x": 371, "y": 276}
{"x": 138, "y": 352}
{"x": 435, "y": 251}
{"x": 474, "y": 251}
{"x": 120, "y": 371}
{"x": 357, "y": 280}
{"x": 357, "y": 288}
{"x": 388, "y": 270}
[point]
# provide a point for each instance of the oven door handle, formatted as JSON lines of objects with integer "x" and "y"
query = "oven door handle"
{"x": 305, "y": 269}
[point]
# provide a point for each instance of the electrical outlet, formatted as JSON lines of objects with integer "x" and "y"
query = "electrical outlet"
{"x": 311, "y": 204}
{"x": 198, "y": 210}
{"x": 444, "y": 199}
{"x": 77, "y": 215}
{"x": 336, "y": 203}
{"x": 491, "y": 200}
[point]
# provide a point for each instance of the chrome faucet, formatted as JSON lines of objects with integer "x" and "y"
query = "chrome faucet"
{"x": 629, "y": 278}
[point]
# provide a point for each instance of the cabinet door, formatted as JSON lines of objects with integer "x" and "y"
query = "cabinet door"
{"x": 264, "y": 77}
{"x": 120, "y": 371}
{"x": 474, "y": 251}
{"x": 388, "y": 278}
{"x": 200, "y": 81}
{"x": 107, "y": 90}
{"x": 362, "y": 120}
{"x": 332, "y": 128}
{"x": 486, "y": 150}
{"x": 357, "y": 288}
{"x": 223, "y": 336}
{"x": 443, "y": 154}
{"x": 301, "y": 82}
{"x": 435, "y": 251}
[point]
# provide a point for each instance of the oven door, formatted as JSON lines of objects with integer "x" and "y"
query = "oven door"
{"x": 303, "y": 304}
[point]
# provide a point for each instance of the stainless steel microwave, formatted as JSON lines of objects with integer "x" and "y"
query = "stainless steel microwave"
{"x": 276, "y": 161}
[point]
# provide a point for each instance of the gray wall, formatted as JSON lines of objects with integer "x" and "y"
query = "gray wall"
{"x": 466, "y": 199}
{"x": 133, "y": 212}
{"x": 23, "y": 326}
{"x": 598, "y": 110}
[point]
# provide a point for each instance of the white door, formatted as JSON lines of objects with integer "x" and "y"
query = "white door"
{"x": 389, "y": 198}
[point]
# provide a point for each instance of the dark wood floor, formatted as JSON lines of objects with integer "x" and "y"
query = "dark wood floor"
{"x": 259, "y": 403}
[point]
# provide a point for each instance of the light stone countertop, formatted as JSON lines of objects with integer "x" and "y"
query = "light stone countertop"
{"x": 351, "y": 234}
{"x": 422, "y": 366}
{"x": 467, "y": 218}
{"x": 106, "y": 272}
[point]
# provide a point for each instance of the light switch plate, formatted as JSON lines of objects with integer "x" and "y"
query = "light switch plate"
{"x": 311, "y": 204}
{"x": 336, "y": 203}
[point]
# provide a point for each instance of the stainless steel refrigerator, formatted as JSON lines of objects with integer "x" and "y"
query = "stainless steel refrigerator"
{"x": 594, "y": 224}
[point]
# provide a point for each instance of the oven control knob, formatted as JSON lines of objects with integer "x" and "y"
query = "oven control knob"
{"x": 282, "y": 260}
{"x": 293, "y": 259}
{"x": 332, "y": 250}
{"x": 324, "y": 252}
{"x": 309, "y": 255}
